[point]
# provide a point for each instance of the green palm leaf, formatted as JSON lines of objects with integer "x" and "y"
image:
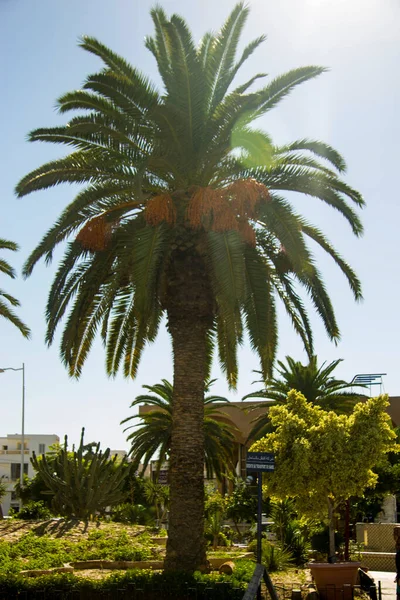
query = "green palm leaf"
{"x": 7, "y": 299}
{"x": 317, "y": 384}
{"x": 153, "y": 434}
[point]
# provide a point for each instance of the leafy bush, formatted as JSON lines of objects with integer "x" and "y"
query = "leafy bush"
{"x": 153, "y": 584}
{"x": 241, "y": 504}
{"x": 215, "y": 531}
{"x": 133, "y": 514}
{"x": 282, "y": 513}
{"x": 297, "y": 543}
{"x": 214, "y": 503}
{"x": 273, "y": 557}
{"x": 292, "y": 533}
{"x": 34, "y": 511}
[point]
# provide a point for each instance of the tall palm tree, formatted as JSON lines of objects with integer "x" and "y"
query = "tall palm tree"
{"x": 154, "y": 434}
{"x": 6, "y": 299}
{"x": 316, "y": 384}
{"x": 181, "y": 214}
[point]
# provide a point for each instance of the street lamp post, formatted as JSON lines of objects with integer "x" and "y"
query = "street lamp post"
{"x": 21, "y": 479}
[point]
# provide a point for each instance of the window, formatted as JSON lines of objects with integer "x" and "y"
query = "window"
{"x": 42, "y": 448}
{"x": 5, "y": 447}
{"x": 16, "y": 471}
{"x": 14, "y": 496}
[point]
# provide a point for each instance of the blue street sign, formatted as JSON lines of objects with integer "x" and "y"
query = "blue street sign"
{"x": 260, "y": 461}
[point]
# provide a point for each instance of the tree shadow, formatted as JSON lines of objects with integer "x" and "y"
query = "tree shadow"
{"x": 58, "y": 527}
{"x": 11, "y": 528}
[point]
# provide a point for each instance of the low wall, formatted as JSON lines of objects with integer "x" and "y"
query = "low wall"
{"x": 379, "y": 561}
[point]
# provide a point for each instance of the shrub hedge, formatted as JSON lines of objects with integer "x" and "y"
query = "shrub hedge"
{"x": 146, "y": 584}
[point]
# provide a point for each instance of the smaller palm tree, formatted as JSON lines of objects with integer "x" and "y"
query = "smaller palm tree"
{"x": 315, "y": 383}
{"x": 6, "y": 299}
{"x": 158, "y": 496}
{"x": 153, "y": 434}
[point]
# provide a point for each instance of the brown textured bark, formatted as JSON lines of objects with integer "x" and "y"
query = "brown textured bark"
{"x": 347, "y": 532}
{"x": 332, "y": 550}
{"x": 189, "y": 309}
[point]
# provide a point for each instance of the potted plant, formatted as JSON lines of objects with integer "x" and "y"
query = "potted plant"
{"x": 322, "y": 459}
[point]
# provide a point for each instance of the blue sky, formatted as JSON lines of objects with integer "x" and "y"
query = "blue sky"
{"x": 354, "y": 107}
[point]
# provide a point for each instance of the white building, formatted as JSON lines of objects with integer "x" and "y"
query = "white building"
{"x": 10, "y": 461}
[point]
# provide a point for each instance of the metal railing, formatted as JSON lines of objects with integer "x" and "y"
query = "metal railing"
{"x": 299, "y": 591}
{"x": 130, "y": 591}
{"x": 254, "y": 587}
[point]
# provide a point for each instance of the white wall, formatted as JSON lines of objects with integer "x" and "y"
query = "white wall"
{"x": 10, "y": 453}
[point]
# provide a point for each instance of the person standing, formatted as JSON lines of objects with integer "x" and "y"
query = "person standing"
{"x": 396, "y": 537}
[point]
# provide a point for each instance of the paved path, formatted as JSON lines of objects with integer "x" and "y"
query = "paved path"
{"x": 388, "y": 585}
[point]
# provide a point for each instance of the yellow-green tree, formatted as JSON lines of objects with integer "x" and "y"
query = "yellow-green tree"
{"x": 323, "y": 458}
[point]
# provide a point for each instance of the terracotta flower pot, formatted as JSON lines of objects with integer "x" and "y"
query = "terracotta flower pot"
{"x": 335, "y": 580}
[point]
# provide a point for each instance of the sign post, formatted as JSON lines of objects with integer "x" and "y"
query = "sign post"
{"x": 259, "y": 462}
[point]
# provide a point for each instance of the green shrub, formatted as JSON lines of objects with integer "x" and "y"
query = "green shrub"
{"x": 215, "y": 503}
{"x": 154, "y": 585}
{"x": 296, "y": 542}
{"x": 133, "y": 514}
{"x": 273, "y": 557}
{"x": 34, "y": 511}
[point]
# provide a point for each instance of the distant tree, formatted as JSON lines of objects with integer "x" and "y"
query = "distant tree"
{"x": 158, "y": 496}
{"x": 34, "y": 489}
{"x": 153, "y": 434}
{"x": 83, "y": 482}
{"x": 323, "y": 458}
{"x": 316, "y": 384}
{"x": 6, "y": 299}
{"x": 241, "y": 504}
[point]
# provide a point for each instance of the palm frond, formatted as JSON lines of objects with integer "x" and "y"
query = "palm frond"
{"x": 9, "y": 315}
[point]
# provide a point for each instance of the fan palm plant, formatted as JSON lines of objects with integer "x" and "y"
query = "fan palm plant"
{"x": 316, "y": 384}
{"x": 181, "y": 213}
{"x": 153, "y": 435}
{"x": 6, "y": 299}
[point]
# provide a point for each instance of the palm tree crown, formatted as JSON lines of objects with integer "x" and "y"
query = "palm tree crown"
{"x": 6, "y": 299}
{"x": 174, "y": 172}
{"x": 316, "y": 384}
{"x": 153, "y": 435}
{"x": 181, "y": 213}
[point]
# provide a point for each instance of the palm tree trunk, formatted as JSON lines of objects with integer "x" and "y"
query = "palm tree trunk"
{"x": 189, "y": 318}
{"x": 186, "y": 547}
